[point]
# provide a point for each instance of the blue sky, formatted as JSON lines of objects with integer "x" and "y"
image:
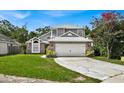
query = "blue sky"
{"x": 39, "y": 18}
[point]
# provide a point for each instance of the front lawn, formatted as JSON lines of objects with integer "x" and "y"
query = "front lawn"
{"x": 116, "y": 61}
{"x": 34, "y": 66}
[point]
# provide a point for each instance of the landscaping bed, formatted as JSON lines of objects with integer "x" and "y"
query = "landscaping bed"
{"x": 33, "y": 66}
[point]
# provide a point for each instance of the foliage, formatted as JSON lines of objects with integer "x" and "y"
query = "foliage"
{"x": 122, "y": 58}
{"x": 22, "y": 34}
{"x": 6, "y": 27}
{"x": 87, "y": 30}
{"x": 50, "y": 52}
{"x": 115, "y": 61}
{"x": 90, "y": 53}
{"x": 106, "y": 32}
{"x": 23, "y": 47}
{"x": 32, "y": 34}
{"x": 43, "y": 30}
{"x": 18, "y": 33}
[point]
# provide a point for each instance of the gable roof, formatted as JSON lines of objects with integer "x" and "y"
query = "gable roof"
{"x": 69, "y": 34}
{"x": 6, "y": 39}
{"x": 70, "y": 39}
{"x": 67, "y": 26}
{"x": 31, "y": 39}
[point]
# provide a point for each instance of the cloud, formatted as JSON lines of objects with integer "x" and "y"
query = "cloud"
{"x": 2, "y": 17}
{"x": 60, "y": 13}
{"x": 21, "y": 15}
{"x": 15, "y": 14}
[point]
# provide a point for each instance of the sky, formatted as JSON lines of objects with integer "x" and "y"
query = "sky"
{"x": 40, "y": 18}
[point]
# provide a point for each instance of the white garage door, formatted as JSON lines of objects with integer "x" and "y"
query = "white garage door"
{"x": 3, "y": 48}
{"x": 70, "y": 49}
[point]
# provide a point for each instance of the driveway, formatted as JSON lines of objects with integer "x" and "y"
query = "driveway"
{"x": 90, "y": 67}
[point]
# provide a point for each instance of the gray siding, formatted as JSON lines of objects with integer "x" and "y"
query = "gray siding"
{"x": 45, "y": 37}
{"x": 3, "y": 49}
{"x": 8, "y": 48}
{"x": 60, "y": 31}
{"x": 42, "y": 48}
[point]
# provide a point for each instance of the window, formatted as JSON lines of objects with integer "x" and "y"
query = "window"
{"x": 48, "y": 37}
{"x": 35, "y": 41}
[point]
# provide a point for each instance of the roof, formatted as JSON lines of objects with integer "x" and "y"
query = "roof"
{"x": 70, "y": 39}
{"x": 6, "y": 39}
{"x": 29, "y": 41}
{"x": 70, "y": 34}
{"x": 68, "y": 26}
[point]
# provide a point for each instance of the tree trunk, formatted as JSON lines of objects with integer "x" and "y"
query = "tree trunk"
{"x": 108, "y": 51}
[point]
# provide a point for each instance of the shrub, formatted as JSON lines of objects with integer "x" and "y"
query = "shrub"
{"x": 50, "y": 53}
{"x": 23, "y": 48}
{"x": 90, "y": 53}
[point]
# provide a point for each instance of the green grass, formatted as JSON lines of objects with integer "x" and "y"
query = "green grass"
{"x": 34, "y": 66}
{"x": 115, "y": 61}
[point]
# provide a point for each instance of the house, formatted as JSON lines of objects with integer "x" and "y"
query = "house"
{"x": 65, "y": 40}
{"x": 8, "y": 45}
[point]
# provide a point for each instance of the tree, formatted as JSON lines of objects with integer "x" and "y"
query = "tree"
{"x": 6, "y": 27}
{"x": 107, "y": 31}
{"x": 43, "y": 30}
{"x": 32, "y": 34}
{"x": 22, "y": 34}
{"x": 87, "y": 30}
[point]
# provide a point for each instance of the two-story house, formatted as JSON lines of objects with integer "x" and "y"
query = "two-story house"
{"x": 66, "y": 40}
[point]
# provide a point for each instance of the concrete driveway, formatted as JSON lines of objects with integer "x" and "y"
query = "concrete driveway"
{"x": 93, "y": 68}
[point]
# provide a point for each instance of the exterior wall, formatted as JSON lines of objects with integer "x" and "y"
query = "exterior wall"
{"x": 81, "y": 32}
{"x": 42, "y": 48}
{"x": 29, "y": 48}
{"x": 3, "y": 49}
{"x": 61, "y": 31}
{"x": 52, "y": 45}
{"x": 8, "y": 48}
{"x": 45, "y": 37}
{"x": 88, "y": 46}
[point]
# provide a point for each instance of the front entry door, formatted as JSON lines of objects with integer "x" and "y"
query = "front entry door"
{"x": 36, "y": 47}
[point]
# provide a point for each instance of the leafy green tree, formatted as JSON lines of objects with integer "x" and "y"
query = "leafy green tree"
{"x": 32, "y": 34}
{"x": 107, "y": 30}
{"x": 6, "y": 27}
{"x": 22, "y": 34}
{"x": 87, "y": 30}
{"x": 43, "y": 30}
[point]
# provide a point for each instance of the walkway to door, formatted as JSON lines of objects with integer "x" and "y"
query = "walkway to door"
{"x": 90, "y": 67}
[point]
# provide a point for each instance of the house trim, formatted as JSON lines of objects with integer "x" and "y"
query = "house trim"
{"x": 70, "y": 32}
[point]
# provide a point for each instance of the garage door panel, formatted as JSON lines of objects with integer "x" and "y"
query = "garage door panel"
{"x": 70, "y": 49}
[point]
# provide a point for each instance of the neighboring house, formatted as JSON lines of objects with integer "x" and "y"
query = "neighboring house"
{"x": 65, "y": 40}
{"x": 8, "y": 45}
